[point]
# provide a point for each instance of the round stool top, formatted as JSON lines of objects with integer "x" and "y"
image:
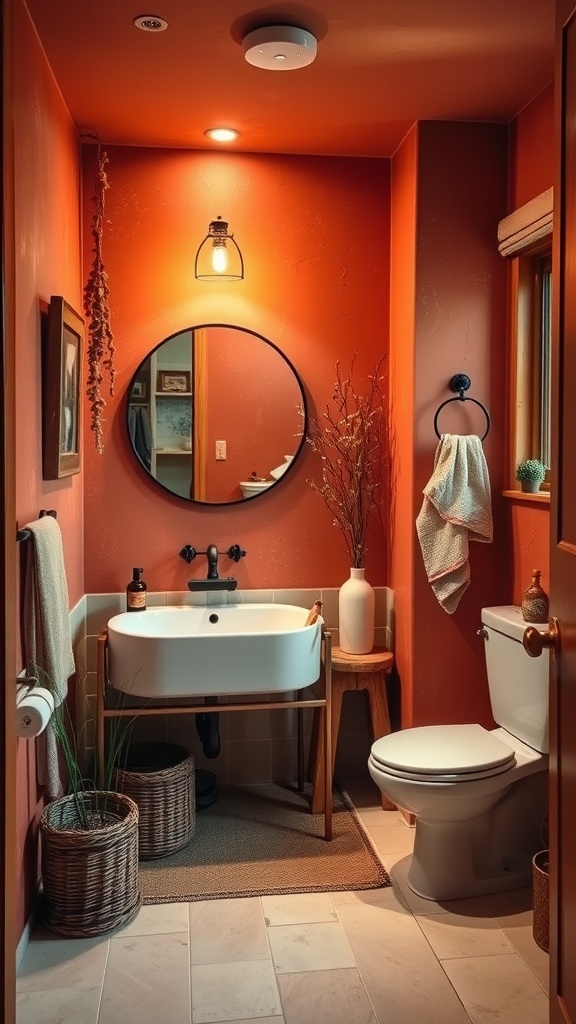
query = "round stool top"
{"x": 378, "y": 660}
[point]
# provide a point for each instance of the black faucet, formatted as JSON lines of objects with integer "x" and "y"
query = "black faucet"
{"x": 212, "y": 556}
{"x": 213, "y": 581}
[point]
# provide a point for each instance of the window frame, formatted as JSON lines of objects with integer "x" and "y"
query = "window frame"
{"x": 542, "y": 381}
{"x": 525, "y": 237}
{"x": 528, "y": 268}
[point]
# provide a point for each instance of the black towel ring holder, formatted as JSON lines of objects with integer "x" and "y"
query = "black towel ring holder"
{"x": 460, "y": 382}
{"x": 25, "y": 534}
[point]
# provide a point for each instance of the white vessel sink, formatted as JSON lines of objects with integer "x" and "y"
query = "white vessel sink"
{"x": 209, "y": 651}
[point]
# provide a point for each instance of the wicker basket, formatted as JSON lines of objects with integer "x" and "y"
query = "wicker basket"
{"x": 541, "y": 895}
{"x": 160, "y": 779}
{"x": 90, "y": 877}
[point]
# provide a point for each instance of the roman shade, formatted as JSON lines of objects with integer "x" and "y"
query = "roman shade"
{"x": 526, "y": 225}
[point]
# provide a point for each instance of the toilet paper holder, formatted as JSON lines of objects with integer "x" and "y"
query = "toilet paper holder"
{"x": 34, "y": 707}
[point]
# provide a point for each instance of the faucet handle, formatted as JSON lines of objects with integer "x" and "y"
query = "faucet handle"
{"x": 235, "y": 553}
{"x": 188, "y": 553}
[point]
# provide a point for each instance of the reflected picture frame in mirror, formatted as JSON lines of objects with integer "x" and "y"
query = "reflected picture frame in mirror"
{"x": 216, "y": 414}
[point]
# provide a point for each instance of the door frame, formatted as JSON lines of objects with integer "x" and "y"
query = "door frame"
{"x": 562, "y": 678}
{"x": 9, "y": 554}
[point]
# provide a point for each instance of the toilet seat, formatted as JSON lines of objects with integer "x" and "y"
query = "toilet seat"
{"x": 442, "y": 753}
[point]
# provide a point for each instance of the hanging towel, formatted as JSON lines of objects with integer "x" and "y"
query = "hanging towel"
{"x": 456, "y": 509}
{"x": 47, "y": 637}
{"x": 140, "y": 433}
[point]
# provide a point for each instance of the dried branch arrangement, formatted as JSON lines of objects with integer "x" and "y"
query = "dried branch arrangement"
{"x": 353, "y": 451}
{"x": 97, "y": 309}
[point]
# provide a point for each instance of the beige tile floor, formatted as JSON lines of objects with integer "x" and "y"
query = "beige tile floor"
{"x": 382, "y": 956}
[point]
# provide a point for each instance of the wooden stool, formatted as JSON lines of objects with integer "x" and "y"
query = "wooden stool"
{"x": 350, "y": 672}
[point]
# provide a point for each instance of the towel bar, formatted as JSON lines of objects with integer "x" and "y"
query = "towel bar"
{"x": 25, "y": 534}
{"x": 460, "y": 382}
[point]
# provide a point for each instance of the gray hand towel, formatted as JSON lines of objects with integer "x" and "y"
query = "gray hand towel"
{"x": 47, "y": 637}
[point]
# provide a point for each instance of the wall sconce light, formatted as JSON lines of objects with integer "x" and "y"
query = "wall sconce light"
{"x": 219, "y": 257}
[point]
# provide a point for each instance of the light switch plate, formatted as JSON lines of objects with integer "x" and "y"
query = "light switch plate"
{"x": 220, "y": 450}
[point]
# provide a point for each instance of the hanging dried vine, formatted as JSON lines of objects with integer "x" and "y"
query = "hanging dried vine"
{"x": 97, "y": 309}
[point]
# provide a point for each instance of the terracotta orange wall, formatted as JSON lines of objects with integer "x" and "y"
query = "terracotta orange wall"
{"x": 316, "y": 284}
{"x": 532, "y": 149}
{"x": 530, "y": 527}
{"x": 47, "y": 246}
{"x": 448, "y": 306}
{"x": 402, "y": 307}
{"x": 460, "y": 326}
{"x": 532, "y": 172}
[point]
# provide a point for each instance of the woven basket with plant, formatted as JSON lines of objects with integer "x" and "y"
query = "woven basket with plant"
{"x": 89, "y": 871}
{"x": 89, "y": 840}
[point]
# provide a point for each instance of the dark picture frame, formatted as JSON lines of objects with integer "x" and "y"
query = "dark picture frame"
{"x": 62, "y": 374}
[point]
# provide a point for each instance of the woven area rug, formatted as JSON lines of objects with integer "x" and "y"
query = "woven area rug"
{"x": 261, "y": 841}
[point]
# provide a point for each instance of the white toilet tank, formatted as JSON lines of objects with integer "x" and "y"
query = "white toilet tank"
{"x": 518, "y": 683}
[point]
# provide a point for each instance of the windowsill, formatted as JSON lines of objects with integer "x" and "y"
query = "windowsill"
{"x": 541, "y": 497}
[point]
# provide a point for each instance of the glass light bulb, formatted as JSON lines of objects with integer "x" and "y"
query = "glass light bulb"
{"x": 219, "y": 258}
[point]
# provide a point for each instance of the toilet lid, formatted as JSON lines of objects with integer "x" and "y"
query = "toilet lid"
{"x": 442, "y": 753}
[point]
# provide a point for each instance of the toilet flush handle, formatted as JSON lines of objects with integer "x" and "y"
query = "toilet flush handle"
{"x": 482, "y": 632}
{"x": 534, "y": 641}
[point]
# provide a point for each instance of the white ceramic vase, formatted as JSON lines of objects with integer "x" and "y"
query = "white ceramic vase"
{"x": 356, "y": 614}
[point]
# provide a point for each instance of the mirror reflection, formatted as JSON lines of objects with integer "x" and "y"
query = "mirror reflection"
{"x": 214, "y": 414}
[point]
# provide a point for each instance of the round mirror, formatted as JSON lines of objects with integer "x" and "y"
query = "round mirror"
{"x": 216, "y": 414}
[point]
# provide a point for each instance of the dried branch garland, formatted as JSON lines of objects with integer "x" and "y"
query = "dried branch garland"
{"x": 353, "y": 451}
{"x": 97, "y": 309}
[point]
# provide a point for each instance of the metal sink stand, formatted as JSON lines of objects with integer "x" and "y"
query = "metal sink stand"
{"x": 104, "y": 711}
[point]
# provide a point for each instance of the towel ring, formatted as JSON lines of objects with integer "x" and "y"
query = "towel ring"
{"x": 460, "y": 382}
{"x": 25, "y": 534}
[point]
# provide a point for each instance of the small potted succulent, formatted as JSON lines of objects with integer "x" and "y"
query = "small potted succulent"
{"x": 531, "y": 473}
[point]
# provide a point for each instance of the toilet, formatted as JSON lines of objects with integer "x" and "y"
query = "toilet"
{"x": 479, "y": 797}
{"x": 251, "y": 487}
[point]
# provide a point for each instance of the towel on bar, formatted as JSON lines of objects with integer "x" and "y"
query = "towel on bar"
{"x": 47, "y": 637}
{"x": 456, "y": 508}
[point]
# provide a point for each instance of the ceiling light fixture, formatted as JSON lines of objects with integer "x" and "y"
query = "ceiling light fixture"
{"x": 150, "y": 23}
{"x": 280, "y": 47}
{"x": 221, "y": 134}
{"x": 219, "y": 257}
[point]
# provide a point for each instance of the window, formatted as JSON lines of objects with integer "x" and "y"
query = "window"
{"x": 526, "y": 237}
{"x": 545, "y": 340}
{"x": 532, "y": 312}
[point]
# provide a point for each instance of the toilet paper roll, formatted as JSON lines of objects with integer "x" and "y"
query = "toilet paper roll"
{"x": 33, "y": 712}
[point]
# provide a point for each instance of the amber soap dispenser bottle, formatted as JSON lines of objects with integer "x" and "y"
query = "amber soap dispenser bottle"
{"x": 136, "y": 592}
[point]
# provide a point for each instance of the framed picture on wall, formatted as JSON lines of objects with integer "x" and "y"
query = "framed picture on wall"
{"x": 61, "y": 378}
{"x": 173, "y": 382}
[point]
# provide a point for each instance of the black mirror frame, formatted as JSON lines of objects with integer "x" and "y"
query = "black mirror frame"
{"x": 236, "y": 501}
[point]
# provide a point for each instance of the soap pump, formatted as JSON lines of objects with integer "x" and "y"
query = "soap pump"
{"x": 136, "y": 592}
